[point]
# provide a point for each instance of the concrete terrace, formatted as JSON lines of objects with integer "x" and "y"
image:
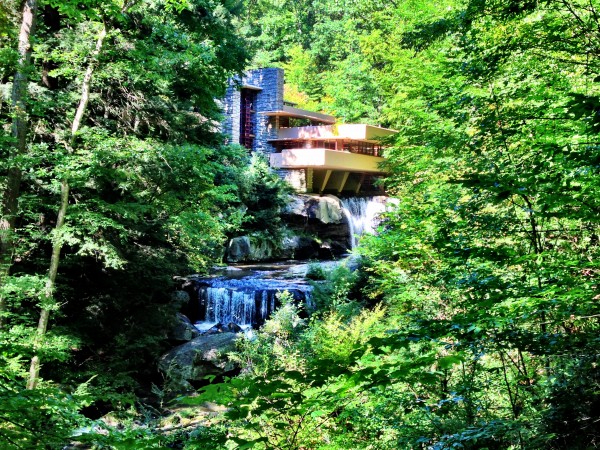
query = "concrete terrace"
{"x": 307, "y": 148}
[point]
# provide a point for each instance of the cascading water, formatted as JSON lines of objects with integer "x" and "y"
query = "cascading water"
{"x": 246, "y": 296}
{"x": 362, "y": 214}
{"x": 245, "y": 307}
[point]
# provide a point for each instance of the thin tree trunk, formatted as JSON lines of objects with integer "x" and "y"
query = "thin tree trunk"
{"x": 34, "y": 369}
{"x": 10, "y": 196}
{"x": 85, "y": 88}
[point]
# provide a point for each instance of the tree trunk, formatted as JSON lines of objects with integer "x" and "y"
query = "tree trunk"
{"x": 48, "y": 299}
{"x": 10, "y": 196}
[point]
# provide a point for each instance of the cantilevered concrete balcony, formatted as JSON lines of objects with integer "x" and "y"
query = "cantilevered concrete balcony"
{"x": 357, "y": 132}
{"x": 332, "y": 158}
{"x": 347, "y": 147}
{"x": 322, "y": 158}
{"x": 323, "y": 170}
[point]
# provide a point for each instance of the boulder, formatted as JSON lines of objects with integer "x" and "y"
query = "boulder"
{"x": 216, "y": 328}
{"x": 233, "y": 328}
{"x": 325, "y": 209}
{"x": 246, "y": 249}
{"x": 297, "y": 205}
{"x": 317, "y": 228}
{"x": 238, "y": 249}
{"x": 194, "y": 360}
{"x": 183, "y": 330}
{"x": 299, "y": 247}
{"x": 328, "y": 210}
{"x": 322, "y": 221}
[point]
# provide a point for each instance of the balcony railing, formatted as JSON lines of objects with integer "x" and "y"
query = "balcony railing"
{"x": 360, "y": 147}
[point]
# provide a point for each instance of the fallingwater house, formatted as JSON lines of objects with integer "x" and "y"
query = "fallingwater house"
{"x": 308, "y": 149}
{"x": 316, "y": 156}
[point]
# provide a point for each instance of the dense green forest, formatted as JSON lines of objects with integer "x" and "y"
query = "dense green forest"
{"x": 473, "y": 321}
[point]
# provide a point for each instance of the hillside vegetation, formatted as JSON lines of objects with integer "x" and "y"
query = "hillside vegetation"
{"x": 474, "y": 319}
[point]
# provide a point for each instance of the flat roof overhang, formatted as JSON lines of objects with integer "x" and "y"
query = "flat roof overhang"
{"x": 251, "y": 87}
{"x": 322, "y": 158}
{"x": 290, "y": 111}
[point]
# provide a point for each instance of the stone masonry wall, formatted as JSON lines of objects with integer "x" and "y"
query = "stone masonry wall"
{"x": 231, "y": 111}
{"x": 295, "y": 177}
{"x": 269, "y": 98}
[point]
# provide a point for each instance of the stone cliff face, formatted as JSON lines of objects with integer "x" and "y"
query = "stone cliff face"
{"x": 317, "y": 228}
{"x": 322, "y": 218}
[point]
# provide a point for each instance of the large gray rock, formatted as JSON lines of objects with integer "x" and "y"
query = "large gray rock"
{"x": 183, "y": 330}
{"x": 202, "y": 356}
{"x": 238, "y": 249}
{"x": 317, "y": 228}
{"x": 228, "y": 328}
{"x": 299, "y": 247}
{"x": 247, "y": 249}
{"x": 321, "y": 218}
{"x": 297, "y": 205}
{"x": 329, "y": 210}
{"x": 325, "y": 209}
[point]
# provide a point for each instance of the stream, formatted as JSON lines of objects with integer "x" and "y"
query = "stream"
{"x": 247, "y": 294}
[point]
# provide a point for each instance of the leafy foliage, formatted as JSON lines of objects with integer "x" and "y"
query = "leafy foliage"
{"x": 473, "y": 321}
{"x": 487, "y": 267}
{"x": 295, "y": 380}
{"x": 153, "y": 193}
{"x": 263, "y": 195}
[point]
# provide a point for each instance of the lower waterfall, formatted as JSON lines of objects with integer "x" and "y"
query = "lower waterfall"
{"x": 246, "y": 295}
{"x": 244, "y": 308}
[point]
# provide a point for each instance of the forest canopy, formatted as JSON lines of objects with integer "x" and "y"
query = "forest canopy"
{"x": 473, "y": 319}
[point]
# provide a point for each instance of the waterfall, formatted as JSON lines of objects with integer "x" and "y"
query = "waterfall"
{"x": 246, "y": 297}
{"x": 362, "y": 214}
{"x": 243, "y": 307}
